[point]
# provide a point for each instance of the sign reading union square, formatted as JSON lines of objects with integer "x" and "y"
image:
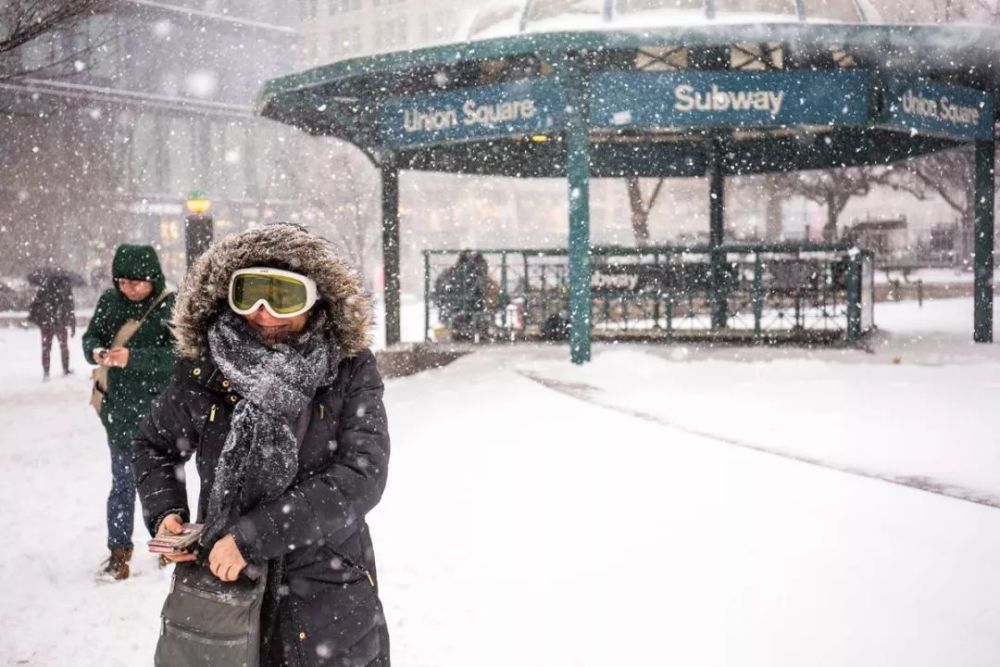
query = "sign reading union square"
{"x": 532, "y": 106}
{"x": 687, "y": 99}
{"x": 935, "y": 108}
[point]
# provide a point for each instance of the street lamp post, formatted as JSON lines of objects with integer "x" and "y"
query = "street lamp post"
{"x": 198, "y": 225}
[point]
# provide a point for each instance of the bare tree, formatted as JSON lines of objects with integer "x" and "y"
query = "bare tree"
{"x": 25, "y": 21}
{"x": 641, "y": 207}
{"x": 344, "y": 202}
{"x": 832, "y": 188}
{"x": 980, "y": 11}
{"x": 353, "y": 211}
{"x": 950, "y": 175}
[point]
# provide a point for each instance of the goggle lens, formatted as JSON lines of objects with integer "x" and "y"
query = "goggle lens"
{"x": 282, "y": 293}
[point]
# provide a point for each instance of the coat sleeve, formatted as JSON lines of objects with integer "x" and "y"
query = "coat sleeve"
{"x": 155, "y": 359}
{"x": 163, "y": 445}
{"x": 35, "y": 310}
{"x": 68, "y": 317}
{"x": 318, "y": 508}
{"x": 101, "y": 331}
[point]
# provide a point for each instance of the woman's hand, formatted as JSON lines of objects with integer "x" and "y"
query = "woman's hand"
{"x": 118, "y": 356}
{"x": 172, "y": 525}
{"x": 225, "y": 560}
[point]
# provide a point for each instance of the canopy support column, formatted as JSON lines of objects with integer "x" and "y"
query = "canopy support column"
{"x": 716, "y": 234}
{"x": 578, "y": 176}
{"x": 390, "y": 249}
{"x": 983, "y": 242}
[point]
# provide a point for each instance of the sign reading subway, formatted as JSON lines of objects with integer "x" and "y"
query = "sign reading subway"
{"x": 737, "y": 99}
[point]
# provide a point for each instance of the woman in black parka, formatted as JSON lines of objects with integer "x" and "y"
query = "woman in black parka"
{"x": 285, "y": 414}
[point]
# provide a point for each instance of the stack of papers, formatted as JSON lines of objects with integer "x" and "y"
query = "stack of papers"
{"x": 170, "y": 544}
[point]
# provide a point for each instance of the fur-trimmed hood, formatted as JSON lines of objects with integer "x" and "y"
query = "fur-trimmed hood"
{"x": 204, "y": 290}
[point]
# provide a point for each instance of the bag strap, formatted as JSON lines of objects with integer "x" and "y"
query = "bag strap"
{"x": 163, "y": 295}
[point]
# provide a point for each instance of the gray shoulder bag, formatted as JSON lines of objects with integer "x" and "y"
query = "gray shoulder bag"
{"x": 206, "y": 621}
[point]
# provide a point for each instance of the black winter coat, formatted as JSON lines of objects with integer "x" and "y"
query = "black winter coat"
{"x": 53, "y": 307}
{"x": 322, "y": 606}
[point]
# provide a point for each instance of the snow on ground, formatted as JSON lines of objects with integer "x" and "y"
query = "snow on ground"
{"x": 943, "y": 276}
{"x": 525, "y": 524}
{"x": 847, "y": 409}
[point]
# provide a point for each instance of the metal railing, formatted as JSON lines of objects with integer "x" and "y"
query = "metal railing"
{"x": 758, "y": 292}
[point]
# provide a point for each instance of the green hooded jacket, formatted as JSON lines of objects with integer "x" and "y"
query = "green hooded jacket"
{"x": 151, "y": 349}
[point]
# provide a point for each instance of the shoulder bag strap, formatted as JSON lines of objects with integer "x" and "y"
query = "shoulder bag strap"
{"x": 152, "y": 307}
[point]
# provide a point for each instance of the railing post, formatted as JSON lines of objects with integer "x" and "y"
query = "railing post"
{"x": 670, "y": 315}
{"x": 716, "y": 235}
{"x": 668, "y": 259}
{"x": 527, "y": 288}
{"x": 758, "y": 297}
{"x": 542, "y": 296}
{"x": 390, "y": 249}
{"x": 504, "y": 297}
{"x": 427, "y": 296}
{"x": 983, "y": 232}
{"x": 573, "y": 80}
{"x": 659, "y": 293}
{"x": 853, "y": 295}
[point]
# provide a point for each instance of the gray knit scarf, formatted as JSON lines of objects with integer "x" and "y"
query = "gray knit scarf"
{"x": 276, "y": 382}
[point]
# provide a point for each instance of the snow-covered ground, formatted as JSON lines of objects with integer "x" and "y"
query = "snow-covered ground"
{"x": 614, "y": 514}
{"x": 929, "y": 276}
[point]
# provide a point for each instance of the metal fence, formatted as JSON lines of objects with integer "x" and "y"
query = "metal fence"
{"x": 760, "y": 292}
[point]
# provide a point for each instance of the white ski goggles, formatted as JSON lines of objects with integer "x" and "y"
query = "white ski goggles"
{"x": 282, "y": 293}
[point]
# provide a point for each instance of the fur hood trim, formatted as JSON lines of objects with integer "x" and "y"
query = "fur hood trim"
{"x": 204, "y": 290}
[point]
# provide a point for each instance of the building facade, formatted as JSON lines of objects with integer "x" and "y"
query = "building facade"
{"x": 145, "y": 104}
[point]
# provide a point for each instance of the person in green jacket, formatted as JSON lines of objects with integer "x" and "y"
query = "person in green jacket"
{"x": 138, "y": 371}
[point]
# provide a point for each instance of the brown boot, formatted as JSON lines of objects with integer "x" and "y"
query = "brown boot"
{"x": 116, "y": 567}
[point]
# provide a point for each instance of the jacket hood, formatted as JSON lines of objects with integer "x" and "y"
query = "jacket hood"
{"x": 139, "y": 262}
{"x": 204, "y": 291}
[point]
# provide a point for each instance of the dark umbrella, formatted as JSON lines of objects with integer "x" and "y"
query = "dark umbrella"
{"x": 52, "y": 273}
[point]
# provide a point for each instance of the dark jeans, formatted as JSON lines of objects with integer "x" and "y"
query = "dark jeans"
{"x": 121, "y": 500}
{"x": 47, "y": 334}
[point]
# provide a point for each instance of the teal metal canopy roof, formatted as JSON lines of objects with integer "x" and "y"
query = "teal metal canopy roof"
{"x": 349, "y": 99}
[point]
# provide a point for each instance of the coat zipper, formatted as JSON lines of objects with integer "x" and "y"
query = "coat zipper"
{"x": 364, "y": 570}
{"x": 208, "y": 419}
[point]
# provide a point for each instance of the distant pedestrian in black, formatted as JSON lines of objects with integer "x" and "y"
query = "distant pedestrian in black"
{"x": 52, "y": 312}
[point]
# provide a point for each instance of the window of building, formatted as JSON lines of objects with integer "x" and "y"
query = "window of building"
{"x": 180, "y": 165}
{"x": 543, "y": 9}
{"x": 390, "y": 33}
{"x": 438, "y": 25}
{"x": 346, "y": 41}
{"x": 778, "y": 7}
{"x": 625, "y": 6}
{"x": 837, "y": 10}
{"x": 344, "y": 6}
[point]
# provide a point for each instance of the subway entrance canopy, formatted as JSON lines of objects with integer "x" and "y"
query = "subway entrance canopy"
{"x": 661, "y": 94}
